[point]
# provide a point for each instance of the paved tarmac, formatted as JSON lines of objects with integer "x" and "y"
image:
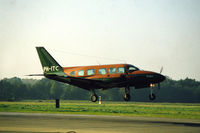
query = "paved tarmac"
{"x": 65, "y": 123}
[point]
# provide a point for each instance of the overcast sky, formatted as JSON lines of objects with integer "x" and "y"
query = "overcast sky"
{"x": 146, "y": 33}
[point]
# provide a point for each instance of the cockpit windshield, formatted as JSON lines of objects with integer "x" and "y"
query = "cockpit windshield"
{"x": 132, "y": 68}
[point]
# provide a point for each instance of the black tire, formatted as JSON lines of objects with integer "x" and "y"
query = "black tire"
{"x": 152, "y": 97}
{"x": 127, "y": 97}
{"x": 94, "y": 98}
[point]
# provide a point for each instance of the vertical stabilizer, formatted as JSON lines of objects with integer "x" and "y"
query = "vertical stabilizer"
{"x": 49, "y": 64}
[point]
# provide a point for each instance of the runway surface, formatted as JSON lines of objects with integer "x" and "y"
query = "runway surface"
{"x": 37, "y": 122}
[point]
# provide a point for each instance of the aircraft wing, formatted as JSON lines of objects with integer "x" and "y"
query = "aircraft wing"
{"x": 78, "y": 81}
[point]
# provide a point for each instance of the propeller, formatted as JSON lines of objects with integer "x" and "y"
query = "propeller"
{"x": 160, "y": 73}
{"x": 161, "y": 69}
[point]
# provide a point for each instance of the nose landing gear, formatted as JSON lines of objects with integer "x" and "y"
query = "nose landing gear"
{"x": 152, "y": 96}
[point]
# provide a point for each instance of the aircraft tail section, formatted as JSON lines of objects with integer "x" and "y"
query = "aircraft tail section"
{"x": 49, "y": 64}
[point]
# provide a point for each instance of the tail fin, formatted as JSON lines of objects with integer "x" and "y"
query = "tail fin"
{"x": 49, "y": 64}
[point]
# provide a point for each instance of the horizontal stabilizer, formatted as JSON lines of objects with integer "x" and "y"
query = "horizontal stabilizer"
{"x": 35, "y": 75}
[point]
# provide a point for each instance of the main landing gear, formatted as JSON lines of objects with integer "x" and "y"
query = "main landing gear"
{"x": 127, "y": 96}
{"x": 93, "y": 96}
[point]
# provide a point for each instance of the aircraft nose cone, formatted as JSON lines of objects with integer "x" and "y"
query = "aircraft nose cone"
{"x": 161, "y": 77}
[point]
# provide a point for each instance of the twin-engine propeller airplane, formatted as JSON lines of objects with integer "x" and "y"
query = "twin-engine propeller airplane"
{"x": 99, "y": 76}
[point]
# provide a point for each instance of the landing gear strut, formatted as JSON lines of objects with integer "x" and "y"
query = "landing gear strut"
{"x": 152, "y": 96}
{"x": 93, "y": 96}
{"x": 127, "y": 96}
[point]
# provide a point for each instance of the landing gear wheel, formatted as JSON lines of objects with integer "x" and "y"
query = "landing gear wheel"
{"x": 127, "y": 97}
{"x": 152, "y": 96}
{"x": 94, "y": 98}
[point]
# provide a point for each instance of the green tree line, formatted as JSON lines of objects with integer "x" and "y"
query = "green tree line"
{"x": 187, "y": 90}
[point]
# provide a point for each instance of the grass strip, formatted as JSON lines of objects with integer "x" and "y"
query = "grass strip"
{"x": 165, "y": 110}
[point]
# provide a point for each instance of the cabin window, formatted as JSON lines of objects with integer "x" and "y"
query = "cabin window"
{"x": 112, "y": 70}
{"x": 102, "y": 71}
{"x": 81, "y": 73}
{"x": 90, "y": 71}
{"x": 120, "y": 70}
{"x": 132, "y": 68}
{"x": 72, "y": 73}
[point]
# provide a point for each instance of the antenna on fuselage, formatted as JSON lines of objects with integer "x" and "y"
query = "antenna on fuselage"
{"x": 90, "y": 56}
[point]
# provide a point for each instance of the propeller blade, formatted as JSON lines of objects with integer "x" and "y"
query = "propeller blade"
{"x": 161, "y": 69}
